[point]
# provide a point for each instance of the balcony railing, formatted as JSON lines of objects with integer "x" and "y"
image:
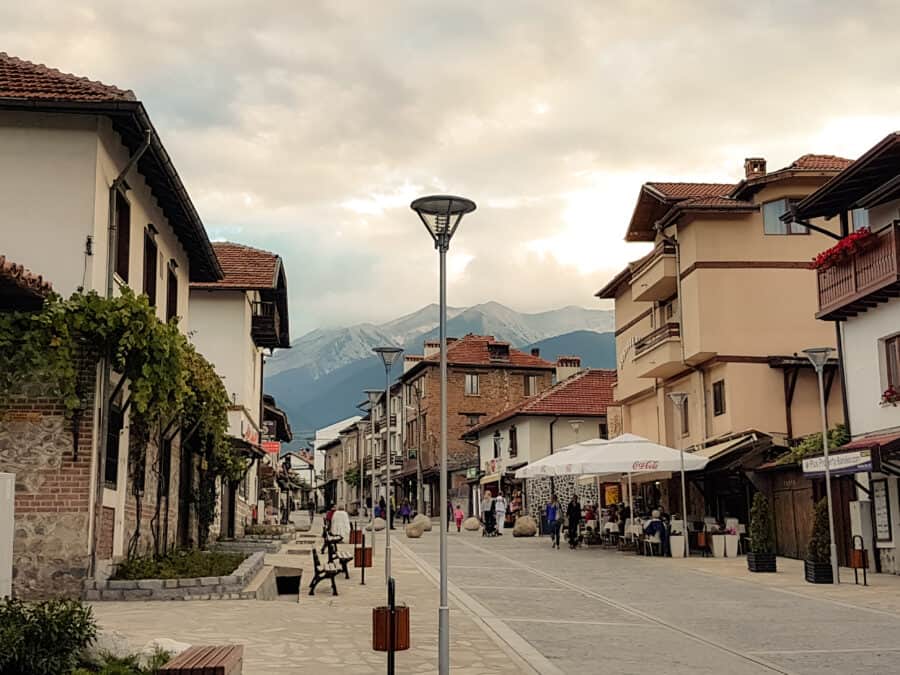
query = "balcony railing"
{"x": 661, "y": 334}
{"x": 266, "y": 324}
{"x": 862, "y": 281}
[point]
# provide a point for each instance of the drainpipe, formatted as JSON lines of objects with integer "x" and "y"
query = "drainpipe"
{"x": 111, "y": 247}
{"x": 552, "y": 482}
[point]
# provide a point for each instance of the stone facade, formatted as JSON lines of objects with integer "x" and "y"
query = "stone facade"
{"x": 538, "y": 492}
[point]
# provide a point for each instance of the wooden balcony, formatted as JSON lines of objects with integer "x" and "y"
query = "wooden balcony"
{"x": 658, "y": 354}
{"x": 266, "y": 325}
{"x": 656, "y": 278}
{"x": 863, "y": 281}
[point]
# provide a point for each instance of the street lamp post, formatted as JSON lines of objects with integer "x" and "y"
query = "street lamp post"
{"x": 441, "y": 215}
{"x": 372, "y": 395}
{"x": 388, "y": 356}
{"x": 818, "y": 356}
{"x": 679, "y": 398}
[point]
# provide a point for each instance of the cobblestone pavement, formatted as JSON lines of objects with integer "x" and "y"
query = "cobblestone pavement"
{"x": 577, "y": 609}
{"x": 322, "y": 634}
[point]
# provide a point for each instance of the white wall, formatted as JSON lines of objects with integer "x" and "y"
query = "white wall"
{"x": 864, "y": 367}
{"x": 47, "y": 195}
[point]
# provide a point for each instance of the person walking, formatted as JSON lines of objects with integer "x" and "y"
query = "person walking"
{"x": 449, "y": 514}
{"x": 500, "y": 510}
{"x": 486, "y": 512}
{"x": 392, "y": 512}
{"x": 573, "y": 515}
{"x": 554, "y": 519}
{"x": 405, "y": 511}
{"x": 458, "y": 517}
{"x": 382, "y": 507}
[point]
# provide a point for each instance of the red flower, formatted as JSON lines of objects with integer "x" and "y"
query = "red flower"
{"x": 845, "y": 249}
{"x": 891, "y": 396}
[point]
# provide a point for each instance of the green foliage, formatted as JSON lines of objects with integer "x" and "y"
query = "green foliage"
{"x": 812, "y": 445}
{"x": 43, "y": 637}
{"x": 129, "y": 665}
{"x": 267, "y": 530}
{"x": 179, "y": 564}
{"x": 761, "y": 539}
{"x": 820, "y": 541}
{"x": 352, "y": 477}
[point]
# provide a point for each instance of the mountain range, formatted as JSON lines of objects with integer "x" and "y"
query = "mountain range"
{"x": 321, "y": 378}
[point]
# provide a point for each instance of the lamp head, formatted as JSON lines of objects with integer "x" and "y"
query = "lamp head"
{"x": 678, "y": 398}
{"x": 388, "y": 355}
{"x": 441, "y": 214}
{"x": 374, "y": 395}
{"x": 818, "y": 356}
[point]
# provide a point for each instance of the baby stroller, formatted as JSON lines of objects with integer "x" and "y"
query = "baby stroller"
{"x": 490, "y": 525}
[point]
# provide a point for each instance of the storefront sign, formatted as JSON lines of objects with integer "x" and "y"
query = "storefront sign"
{"x": 611, "y": 494}
{"x": 645, "y": 465}
{"x": 273, "y": 447}
{"x": 882, "y": 506}
{"x": 840, "y": 463}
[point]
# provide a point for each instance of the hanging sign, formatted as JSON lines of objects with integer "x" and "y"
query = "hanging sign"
{"x": 882, "y": 508}
{"x": 841, "y": 463}
{"x": 273, "y": 447}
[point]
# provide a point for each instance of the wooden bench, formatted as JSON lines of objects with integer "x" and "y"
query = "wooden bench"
{"x": 335, "y": 555}
{"x": 222, "y": 660}
{"x": 321, "y": 572}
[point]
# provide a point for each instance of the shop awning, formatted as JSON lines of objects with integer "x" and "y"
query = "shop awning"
{"x": 646, "y": 477}
{"x": 721, "y": 449}
{"x": 490, "y": 478}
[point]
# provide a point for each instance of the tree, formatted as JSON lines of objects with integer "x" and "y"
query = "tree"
{"x": 761, "y": 540}
{"x": 820, "y": 541}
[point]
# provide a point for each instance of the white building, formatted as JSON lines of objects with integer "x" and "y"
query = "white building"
{"x": 90, "y": 199}
{"x": 861, "y": 292}
{"x": 572, "y": 410}
{"x": 324, "y": 437}
{"x": 235, "y": 322}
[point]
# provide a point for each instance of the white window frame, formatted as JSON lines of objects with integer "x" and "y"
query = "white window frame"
{"x": 472, "y": 384}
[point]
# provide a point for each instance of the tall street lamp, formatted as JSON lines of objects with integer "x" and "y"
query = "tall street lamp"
{"x": 679, "y": 398}
{"x": 372, "y": 395}
{"x": 441, "y": 215}
{"x": 818, "y": 356}
{"x": 388, "y": 356}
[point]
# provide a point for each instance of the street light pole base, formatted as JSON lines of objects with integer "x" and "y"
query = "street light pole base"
{"x": 443, "y": 640}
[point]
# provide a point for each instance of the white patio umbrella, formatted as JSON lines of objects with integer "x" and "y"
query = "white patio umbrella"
{"x": 625, "y": 454}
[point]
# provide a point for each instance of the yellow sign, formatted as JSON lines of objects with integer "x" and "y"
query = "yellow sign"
{"x": 611, "y": 494}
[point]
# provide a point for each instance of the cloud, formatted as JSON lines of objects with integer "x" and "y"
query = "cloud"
{"x": 308, "y": 127}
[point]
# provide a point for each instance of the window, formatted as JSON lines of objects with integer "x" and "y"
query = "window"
{"x": 471, "y": 384}
{"x": 150, "y": 267}
{"x": 719, "y": 397}
{"x": 113, "y": 434}
{"x": 472, "y": 419}
{"x": 772, "y": 223}
{"x": 513, "y": 441}
{"x": 685, "y": 418}
{"x": 123, "y": 235}
{"x": 497, "y": 441}
{"x": 603, "y": 431}
{"x": 859, "y": 218}
{"x": 669, "y": 309}
{"x": 172, "y": 295}
{"x": 892, "y": 361}
{"x": 531, "y": 385}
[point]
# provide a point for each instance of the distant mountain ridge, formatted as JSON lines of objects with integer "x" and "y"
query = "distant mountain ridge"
{"x": 321, "y": 378}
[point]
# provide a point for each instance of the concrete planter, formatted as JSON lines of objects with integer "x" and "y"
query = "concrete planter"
{"x": 230, "y": 587}
{"x": 676, "y": 543}
{"x": 718, "y": 545}
{"x": 731, "y": 545}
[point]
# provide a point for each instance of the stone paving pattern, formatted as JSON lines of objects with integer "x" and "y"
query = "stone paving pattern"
{"x": 566, "y": 611}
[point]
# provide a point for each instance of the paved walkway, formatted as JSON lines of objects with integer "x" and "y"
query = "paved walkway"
{"x": 576, "y": 609}
{"x": 322, "y": 634}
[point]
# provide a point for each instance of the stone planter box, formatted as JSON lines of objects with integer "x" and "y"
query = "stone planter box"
{"x": 229, "y": 587}
{"x": 676, "y": 544}
{"x": 718, "y": 545}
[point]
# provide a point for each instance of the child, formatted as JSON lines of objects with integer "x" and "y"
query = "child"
{"x": 458, "y": 517}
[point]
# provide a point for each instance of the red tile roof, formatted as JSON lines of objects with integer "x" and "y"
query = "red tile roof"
{"x": 820, "y": 163}
{"x": 472, "y": 350}
{"x": 684, "y": 190}
{"x": 871, "y": 442}
{"x": 715, "y": 202}
{"x": 13, "y": 274}
{"x": 23, "y": 79}
{"x": 244, "y": 267}
{"x": 587, "y": 393}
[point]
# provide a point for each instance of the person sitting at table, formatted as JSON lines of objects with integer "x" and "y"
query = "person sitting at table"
{"x": 654, "y": 527}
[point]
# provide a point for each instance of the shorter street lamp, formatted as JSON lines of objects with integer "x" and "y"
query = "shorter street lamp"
{"x": 818, "y": 357}
{"x": 372, "y": 395}
{"x": 679, "y": 398}
{"x": 388, "y": 356}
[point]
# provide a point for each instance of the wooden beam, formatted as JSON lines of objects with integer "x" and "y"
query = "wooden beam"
{"x": 790, "y": 384}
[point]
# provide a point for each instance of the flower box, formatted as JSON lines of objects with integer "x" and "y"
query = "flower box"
{"x": 676, "y": 544}
{"x": 846, "y": 248}
{"x": 731, "y": 545}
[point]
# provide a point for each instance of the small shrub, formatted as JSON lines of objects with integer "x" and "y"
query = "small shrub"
{"x": 820, "y": 541}
{"x": 43, "y": 637}
{"x": 761, "y": 540}
{"x": 129, "y": 665}
{"x": 266, "y": 530}
{"x": 179, "y": 564}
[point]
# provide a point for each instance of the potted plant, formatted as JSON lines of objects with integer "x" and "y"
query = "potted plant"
{"x": 817, "y": 566}
{"x": 890, "y": 396}
{"x": 731, "y": 542}
{"x": 761, "y": 557}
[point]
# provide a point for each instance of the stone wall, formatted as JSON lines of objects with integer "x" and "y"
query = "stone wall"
{"x": 52, "y": 502}
{"x": 538, "y": 492}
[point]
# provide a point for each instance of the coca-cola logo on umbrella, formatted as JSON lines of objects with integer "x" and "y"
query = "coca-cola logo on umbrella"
{"x": 645, "y": 465}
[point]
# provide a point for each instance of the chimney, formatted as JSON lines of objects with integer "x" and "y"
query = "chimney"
{"x": 432, "y": 347}
{"x": 536, "y": 352}
{"x": 498, "y": 351}
{"x": 566, "y": 366}
{"x": 409, "y": 360}
{"x": 754, "y": 167}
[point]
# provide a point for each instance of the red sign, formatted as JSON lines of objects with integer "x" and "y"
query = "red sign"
{"x": 645, "y": 465}
{"x": 273, "y": 447}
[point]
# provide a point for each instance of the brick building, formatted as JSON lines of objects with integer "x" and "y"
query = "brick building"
{"x": 484, "y": 377}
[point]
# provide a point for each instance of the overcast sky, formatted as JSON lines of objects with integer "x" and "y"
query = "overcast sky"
{"x": 307, "y": 127}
